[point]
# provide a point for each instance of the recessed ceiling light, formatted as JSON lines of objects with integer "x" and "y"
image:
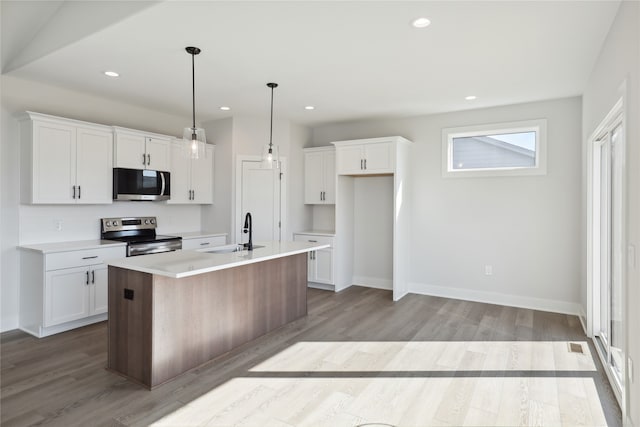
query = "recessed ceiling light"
{"x": 223, "y": 108}
{"x": 470, "y": 97}
{"x": 421, "y": 23}
{"x": 111, "y": 74}
{"x": 309, "y": 107}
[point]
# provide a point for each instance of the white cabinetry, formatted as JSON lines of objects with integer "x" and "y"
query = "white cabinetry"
{"x": 203, "y": 242}
{"x": 191, "y": 179}
{"x": 141, "y": 150}
{"x": 320, "y": 265}
{"x": 64, "y": 290}
{"x": 65, "y": 161}
{"x": 365, "y": 157}
{"x": 320, "y": 175}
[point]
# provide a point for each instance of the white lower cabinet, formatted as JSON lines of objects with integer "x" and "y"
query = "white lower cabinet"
{"x": 320, "y": 265}
{"x": 64, "y": 290}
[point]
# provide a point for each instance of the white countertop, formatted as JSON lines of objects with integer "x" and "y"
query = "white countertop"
{"x": 192, "y": 262}
{"x": 80, "y": 245}
{"x": 329, "y": 233}
{"x": 197, "y": 234}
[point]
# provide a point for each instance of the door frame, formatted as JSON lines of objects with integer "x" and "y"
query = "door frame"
{"x": 616, "y": 114}
{"x": 237, "y": 206}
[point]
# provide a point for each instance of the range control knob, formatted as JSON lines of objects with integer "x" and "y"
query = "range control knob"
{"x": 153, "y": 221}
{"x": 107, "y": 223}
{"x": 146, "y": 221}
{"x": 114, "y": 223}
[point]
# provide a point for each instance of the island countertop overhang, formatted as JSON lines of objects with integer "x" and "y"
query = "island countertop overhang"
{"x": 187, "y": 263}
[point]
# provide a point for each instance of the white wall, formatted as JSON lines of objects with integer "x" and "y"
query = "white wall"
{"x": 619, "y": 60}
{"x": 527, "y": 228}
{"x": 31, "y": 224}
{"x": 373, "y": 232}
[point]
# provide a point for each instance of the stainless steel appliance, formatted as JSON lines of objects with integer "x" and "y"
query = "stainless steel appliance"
{"x": 140, "y": 235}
{"x": 139, "y": 184}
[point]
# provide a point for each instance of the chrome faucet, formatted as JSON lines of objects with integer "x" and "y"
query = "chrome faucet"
{"x": 248, "y": 228}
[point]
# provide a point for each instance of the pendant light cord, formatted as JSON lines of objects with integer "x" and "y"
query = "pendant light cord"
{"x": 271, "y": 129}
{"x": 193, "y": 89}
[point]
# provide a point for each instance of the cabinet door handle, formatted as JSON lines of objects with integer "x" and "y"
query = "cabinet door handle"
{"x": 93, "y": 276}
{"x": 365, "y": 164}
{"x": 144, "y": 159}
{"x": 204, "y": 243}
{"x": 79, "y": 192}
{"x": 194, "y": 194}
{"x": 312, "y": 241}
{"x": 90, "y": 257}
{"x": 87, "y": 282}
{"x": 74, "y": 192}
{"x": 361, "y": 164}
{"x": 148, "y": 159}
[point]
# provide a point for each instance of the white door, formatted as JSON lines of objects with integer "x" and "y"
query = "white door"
{"x": 378, "y": 157}
{"x": 99, "y": 295}
{"x": 66, "y": 295}
{"x": 350, "y": 160}
{"x": 329, "y": 175}
{"x": 261, "y": 196}
{"x": 202, "y": 177}
{"x": 324, "y": 266}
{"x": 180, "y": 175}
{"x": 94, "y": 155}
{"x": 158, "y": 152}
{"x": 313, "y": 183}
{"x": 54, "y": 163}
{"x": 130, "y": 151}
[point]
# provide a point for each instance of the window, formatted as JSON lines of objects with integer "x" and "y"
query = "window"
{"x": 503, "y": 149}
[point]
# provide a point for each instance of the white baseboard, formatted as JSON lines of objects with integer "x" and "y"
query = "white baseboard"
{"x": 373, "y": 282}
{"x": 583, "y": 320}
{"x": 554, "y": 306}
{"x": 321, "y": 286}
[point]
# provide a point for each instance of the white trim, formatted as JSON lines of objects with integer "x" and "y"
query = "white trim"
{"x": 583, "y": 320}
{"x": 542, "y": 304}
{"x": 539, "y": 126}
{"x": 373, "y": 282}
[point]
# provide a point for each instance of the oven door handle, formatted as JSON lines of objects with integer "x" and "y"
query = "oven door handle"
{"x": 163, "y": 183}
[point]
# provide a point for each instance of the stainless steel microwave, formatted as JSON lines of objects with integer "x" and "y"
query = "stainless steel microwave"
{"x": 139, "y": 184}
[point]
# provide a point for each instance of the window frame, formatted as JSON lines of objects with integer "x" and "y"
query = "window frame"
{"x": 539, "y": 126}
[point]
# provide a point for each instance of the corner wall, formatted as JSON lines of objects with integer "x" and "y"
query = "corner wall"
{"x": 527, "y": 228}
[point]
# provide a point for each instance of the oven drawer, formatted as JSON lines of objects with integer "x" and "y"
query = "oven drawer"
{"x": 56, "y": 261}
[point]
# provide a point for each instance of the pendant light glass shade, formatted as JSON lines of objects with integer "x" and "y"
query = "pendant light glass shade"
{"x": 194, "y": 141}
{"x": 270, "y": 155}
{"x": 193, "y": 137}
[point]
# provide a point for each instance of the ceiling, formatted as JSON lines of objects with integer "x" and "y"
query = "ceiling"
{"x": 349, "y": 59}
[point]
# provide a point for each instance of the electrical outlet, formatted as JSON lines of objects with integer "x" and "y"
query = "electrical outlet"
{"x": 488, "y": 270}
{"x": 58, "y": 224}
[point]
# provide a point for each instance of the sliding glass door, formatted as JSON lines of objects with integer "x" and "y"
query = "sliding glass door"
{"x": 608, "y": 209}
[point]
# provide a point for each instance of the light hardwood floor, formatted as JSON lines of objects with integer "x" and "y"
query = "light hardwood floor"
{"x": 357, "y": 359}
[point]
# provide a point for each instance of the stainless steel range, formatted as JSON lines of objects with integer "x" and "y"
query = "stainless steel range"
{"x": 140, "y": 235}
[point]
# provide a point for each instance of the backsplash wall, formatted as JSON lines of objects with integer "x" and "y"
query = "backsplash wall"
{"x": 38, "y": 223}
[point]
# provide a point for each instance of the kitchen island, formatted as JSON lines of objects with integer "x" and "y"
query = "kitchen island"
{"x": 171, "y": 312}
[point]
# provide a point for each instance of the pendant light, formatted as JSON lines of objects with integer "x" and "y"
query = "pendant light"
{"x": 270, "y": 158}
{"x": 193, "y": 137}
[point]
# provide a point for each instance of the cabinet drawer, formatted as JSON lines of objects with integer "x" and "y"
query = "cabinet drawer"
{"x": 325, "y": 240}
{"x": 204, "y": 242}
{"x": 81, "y": 258}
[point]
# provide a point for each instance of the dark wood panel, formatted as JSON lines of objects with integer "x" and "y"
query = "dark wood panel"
{"x": 191, "y": 320}
{"x": 130, "y": 325}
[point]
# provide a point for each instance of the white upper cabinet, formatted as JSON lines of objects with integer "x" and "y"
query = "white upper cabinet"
{"x": 366, "y": 156}
{"x": 319, "y": 175}
{"x": 65, "y": 161}
{"x": 141, "y": 150}
{"x": 191, "y": 179}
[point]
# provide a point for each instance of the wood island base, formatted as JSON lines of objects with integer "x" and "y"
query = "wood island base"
{"x": 160, "y": 327}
